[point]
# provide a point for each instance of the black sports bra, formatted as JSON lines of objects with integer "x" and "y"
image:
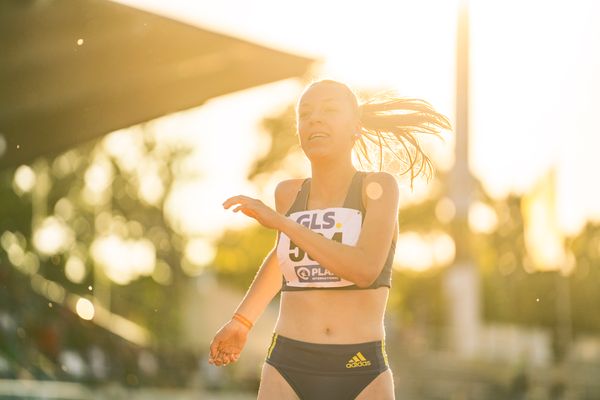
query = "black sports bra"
{"x": 342, "y": 224}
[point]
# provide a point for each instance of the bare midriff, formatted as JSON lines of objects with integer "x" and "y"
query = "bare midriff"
{"x": 333, "y": 316}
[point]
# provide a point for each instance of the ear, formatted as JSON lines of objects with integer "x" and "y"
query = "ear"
{"x": 358, "y": 130}
{"x": 357, "y": 124}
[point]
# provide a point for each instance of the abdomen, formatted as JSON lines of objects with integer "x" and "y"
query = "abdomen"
{"x": 333, "y": 316}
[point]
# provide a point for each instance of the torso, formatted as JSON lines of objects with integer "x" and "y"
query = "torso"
{"x": 331, "y": 316}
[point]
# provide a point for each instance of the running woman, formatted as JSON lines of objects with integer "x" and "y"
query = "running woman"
{"x": 332, "y": 259}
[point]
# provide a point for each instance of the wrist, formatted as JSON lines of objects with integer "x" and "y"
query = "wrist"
{"x": 284, "y": 224}
{"x": 243, "y": 320}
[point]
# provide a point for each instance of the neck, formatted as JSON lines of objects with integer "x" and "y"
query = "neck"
{"x": 330, "y": 179}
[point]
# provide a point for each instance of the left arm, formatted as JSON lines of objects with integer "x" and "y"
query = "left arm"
{"x": 361, "y": 263}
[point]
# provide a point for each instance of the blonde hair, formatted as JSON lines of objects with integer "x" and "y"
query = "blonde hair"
{"x": 389, "y": 123}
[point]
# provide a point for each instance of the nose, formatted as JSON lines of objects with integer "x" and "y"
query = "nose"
{"x": 315, "y": 115}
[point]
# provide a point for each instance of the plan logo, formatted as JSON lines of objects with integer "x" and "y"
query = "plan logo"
{"x": 315, "y": 273}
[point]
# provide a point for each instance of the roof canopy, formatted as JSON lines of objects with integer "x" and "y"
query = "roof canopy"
{"x": 73, "y": 70}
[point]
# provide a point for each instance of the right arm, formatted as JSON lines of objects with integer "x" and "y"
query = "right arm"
{"x": 266, "y": 284}
{"x": 268, "y": 279}
{"x": 229, "y": 341}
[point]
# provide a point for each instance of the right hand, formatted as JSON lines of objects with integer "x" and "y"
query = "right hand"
{"x": 228, "y": 343}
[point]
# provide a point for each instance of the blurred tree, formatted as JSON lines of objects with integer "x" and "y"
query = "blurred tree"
{"x": 585, "y": 279}
{"x": 91, "y": 193}
{"x": 282, "y": 132}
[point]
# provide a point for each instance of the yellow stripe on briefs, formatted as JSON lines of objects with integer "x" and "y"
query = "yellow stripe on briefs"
{"x": 385, "y": 359}
{"x": 362, "y": 358}
{"x": 356, "y": 359}
{"x": 272, "y": 345}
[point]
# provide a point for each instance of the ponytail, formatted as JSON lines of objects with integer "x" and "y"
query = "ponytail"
{"x": 391, "y": 122}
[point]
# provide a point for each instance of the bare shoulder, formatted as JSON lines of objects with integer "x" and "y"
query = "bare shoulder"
{"x": 380, "y": 176}
{"x": 379, "y": 186}
{"x": 285, "y": 193}
{"x": 381, "y": 196}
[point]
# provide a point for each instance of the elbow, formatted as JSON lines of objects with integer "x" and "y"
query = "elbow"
{"x": 368, "y": 276}
{"x": 363, "y": 284}
{"x": 365, "y": 281}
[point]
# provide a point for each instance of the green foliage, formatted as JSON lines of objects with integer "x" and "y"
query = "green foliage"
{"x": 511, "y": 294}
{"x": 154, "y": 306}
{"x": 240, "y": 255}
{"x": 585, "y": 280}
{"x": 417, "y": 299}
{"x": 284, "y": 140}
{"x": 15, "y": 212}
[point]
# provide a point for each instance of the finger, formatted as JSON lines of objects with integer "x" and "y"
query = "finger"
{"x": 218, "y": 356}
{"x": 214, "y": 346}
{"x": 227, "y": 203}
{"x": 223, "y": 356}
{"x": 238, "y": 198}
{"x": 235, "y": 199}
{"x": 241, "y": 204}
{"x": 224, "y": 360}
{"x": 218, "y": 361}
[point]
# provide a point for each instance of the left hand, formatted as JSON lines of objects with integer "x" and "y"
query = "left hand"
{"x": 256, "y": 209}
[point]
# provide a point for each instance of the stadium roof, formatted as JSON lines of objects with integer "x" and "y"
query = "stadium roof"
{"x": 73, "y": 70}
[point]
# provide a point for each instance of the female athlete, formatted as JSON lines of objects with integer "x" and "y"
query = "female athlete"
{"x": 333, "y": 255}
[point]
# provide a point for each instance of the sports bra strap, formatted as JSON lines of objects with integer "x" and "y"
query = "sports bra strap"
{"x": 354, "y": 194}
{"x": 353, "y": 197}
{"x": 301, "y": 199}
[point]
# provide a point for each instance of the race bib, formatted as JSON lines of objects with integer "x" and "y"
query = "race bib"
{"x": 299, "y": 270}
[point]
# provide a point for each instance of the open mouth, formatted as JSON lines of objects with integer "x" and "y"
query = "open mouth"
{"x": 317, "y": 135}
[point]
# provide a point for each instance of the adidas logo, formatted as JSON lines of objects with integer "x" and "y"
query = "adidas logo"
{"x": 358, "y": 361}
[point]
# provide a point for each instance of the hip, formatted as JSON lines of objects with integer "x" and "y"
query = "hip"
{"x": 327, "y": 358}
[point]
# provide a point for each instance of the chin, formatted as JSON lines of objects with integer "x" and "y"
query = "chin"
{"x": 322, "y": 157}
{"x": 317, "y": 154}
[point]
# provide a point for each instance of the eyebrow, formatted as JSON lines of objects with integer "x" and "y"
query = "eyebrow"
{"x": 327, "y": 99}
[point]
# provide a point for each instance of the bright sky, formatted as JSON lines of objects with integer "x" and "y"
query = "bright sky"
{"x": 535, "y": 86}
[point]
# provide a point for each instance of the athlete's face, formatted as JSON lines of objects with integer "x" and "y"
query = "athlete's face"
{"x": 326, "y": 121}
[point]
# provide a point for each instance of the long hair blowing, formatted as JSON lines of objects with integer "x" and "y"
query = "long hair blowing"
{"x": 391, "y": 122}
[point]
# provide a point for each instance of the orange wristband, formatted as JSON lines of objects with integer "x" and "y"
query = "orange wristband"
{"x": 243, "y": 320}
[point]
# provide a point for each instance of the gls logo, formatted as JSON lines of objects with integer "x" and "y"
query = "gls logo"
{"x": 328, "y": 220}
